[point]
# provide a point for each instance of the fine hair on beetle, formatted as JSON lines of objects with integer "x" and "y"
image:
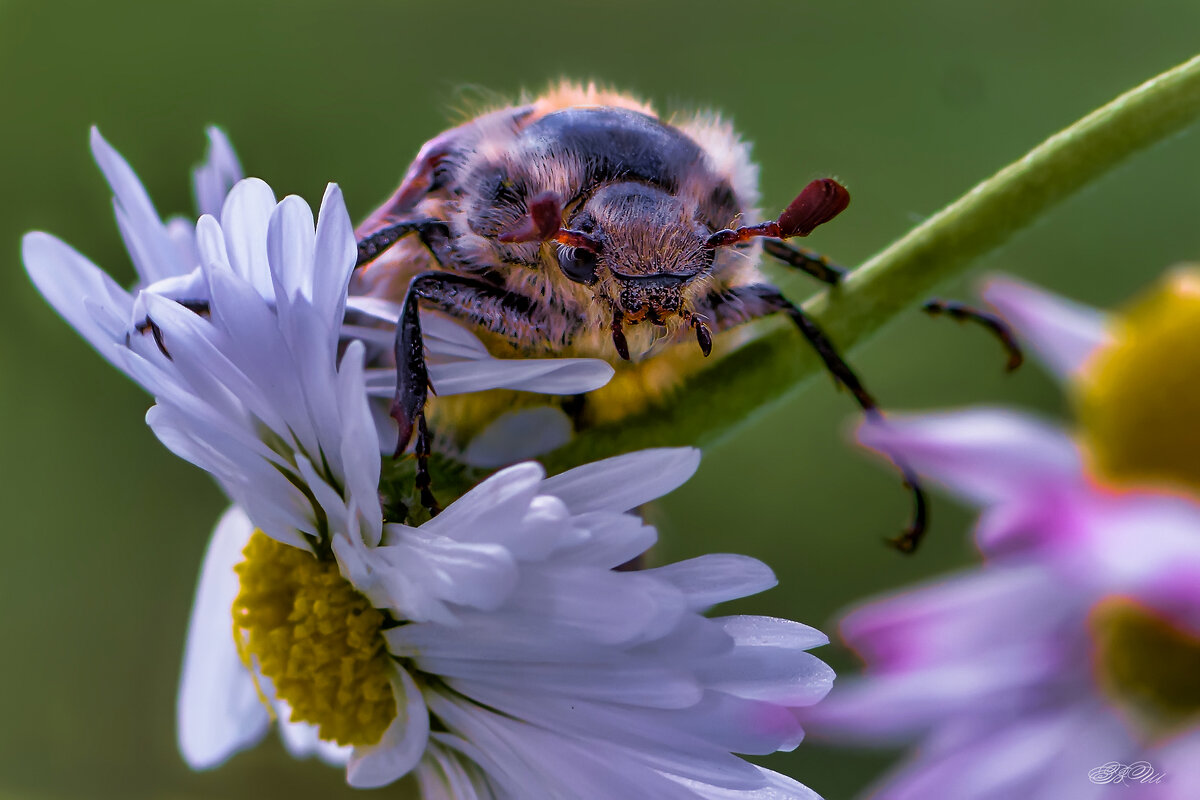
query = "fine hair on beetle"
{"x": 580, "y": 223}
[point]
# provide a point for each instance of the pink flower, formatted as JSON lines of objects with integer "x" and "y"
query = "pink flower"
{"x": 1070, "y": 659}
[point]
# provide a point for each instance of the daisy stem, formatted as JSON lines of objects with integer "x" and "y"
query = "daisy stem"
{"x": 713, "y": 402}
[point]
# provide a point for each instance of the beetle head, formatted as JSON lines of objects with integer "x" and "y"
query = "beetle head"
{"x": 650, "y": 249}
{"x": 641, "y": 248}
{"x": 636, "y": 245}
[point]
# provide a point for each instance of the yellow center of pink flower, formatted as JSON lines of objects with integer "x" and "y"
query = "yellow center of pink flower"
{"x": 1139, "y": 398}
{"x": 317, "y": 639}
{"x": 1147, "y": 664}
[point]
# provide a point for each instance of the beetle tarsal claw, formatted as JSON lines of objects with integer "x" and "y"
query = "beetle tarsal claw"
{"x": 618, "y": 337}
{"x": 703, "y": 336}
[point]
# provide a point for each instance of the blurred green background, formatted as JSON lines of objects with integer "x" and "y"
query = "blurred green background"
{"x": 908, "y": 103}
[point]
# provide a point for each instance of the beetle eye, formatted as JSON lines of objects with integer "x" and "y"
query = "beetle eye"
{"x": 578, "y": 264}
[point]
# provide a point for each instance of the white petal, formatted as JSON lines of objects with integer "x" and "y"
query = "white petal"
{"x": 742, "y": 726}
{"x": 359, "y": 442}
{"x": 334, "y": 256}
{"x": 751, "y": 631}
{"x": 271, "y": 501}
{"x": 213, "y": 179}
{"x": 244, "y": 221}
{"x": 328, "y": 498}
{"x": 291, "y": 240}
{"x": 545, "y": 375}
{"x": 69, "y": 281}
{"x": 312, "y": 343}
{"x": 145, "y": 236}
{"x": 487, "y": 511}
{"x": 202, "y": 366}
{"x": 478, "y": 637}
{"x": 301, "y": 740}
{"x": 775, "y": 787}
{"x": 629, "y": 684}
{"x": 479, "y": 575}
{"x": 446, "y": 336}
{"x": 187, "y": 286}
{"x": 716, "y": 578}
{"x": 618, "y": 608}
{"x": 775, "y": 673}
{"x": 219, "y": 712}
{"x": 624, "y": 482}
{"x": 182, "y": 233}
{"x": 1063, "y": 333}
{"x": 244, "y": 316}
{"x": 519, "y": 435}
{"x": 210, "y": 244}
{"x": 442, "y": 776}
{"x": 388, "y": 311}
{"x": 402, "y": 745}
{"x": 651, "y": 736}
{"x": 613, "y": 540}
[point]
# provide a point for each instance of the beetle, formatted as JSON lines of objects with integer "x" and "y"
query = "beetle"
{"x": 581, "y": 223}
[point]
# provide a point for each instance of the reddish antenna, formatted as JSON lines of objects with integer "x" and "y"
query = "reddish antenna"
{"x": 541, "y": 224}
{"x": 819, "y": 202}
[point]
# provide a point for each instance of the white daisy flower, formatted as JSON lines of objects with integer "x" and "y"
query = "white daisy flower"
{"x": 520, "y": 663}
{"x": 164, "y": 254}
{"x": 493, "y": 651}
{"x": 166, "y": 258}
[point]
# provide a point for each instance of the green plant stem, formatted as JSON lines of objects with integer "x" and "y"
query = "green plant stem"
{"x": 724, "y": 395}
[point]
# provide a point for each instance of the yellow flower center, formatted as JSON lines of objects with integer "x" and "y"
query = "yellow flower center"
{"x": 1146, "y": 664}
{"x": 317, "y": 639}
{"x": 1139, "y": 398}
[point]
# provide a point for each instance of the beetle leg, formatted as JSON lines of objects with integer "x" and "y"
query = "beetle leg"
{"x": 195, "y": 306}
{"x": 998, "y": 327}
{"x": 760, "y": 300}
{"x": 469, "y": 299}
{"x": 806, "y": 260}
{"x": 434, "y": 235}
{"x": 744, "y": 303}
{"x": 700, "y": 326}
{"x": 423, "y": 481}
{"x": 618, "y": 333}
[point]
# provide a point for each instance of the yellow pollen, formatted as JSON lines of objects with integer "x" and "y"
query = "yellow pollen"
{"x": 1139, "y": 398}
{"x": 1146, "y": 664}
{"x": 316, "y": 638}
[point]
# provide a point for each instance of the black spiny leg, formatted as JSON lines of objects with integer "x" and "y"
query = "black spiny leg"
{"x": 744, "y": 303}
{"x": 998, "y": 327}
{"x": 806, "y": 260}
{"x": 200, "y": 307}
{"x": 423, "y": 481}
{"x": 820, "y": 342}
{"x": 574, "y": 407}
{"x": 433, "y": 234}
{"x": 466, "y": 298}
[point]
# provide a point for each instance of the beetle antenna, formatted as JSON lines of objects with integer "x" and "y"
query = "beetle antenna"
{"x": 819, "y": 202}
{"x": 540, "y": 224}
{"x": 578, "y": 239}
